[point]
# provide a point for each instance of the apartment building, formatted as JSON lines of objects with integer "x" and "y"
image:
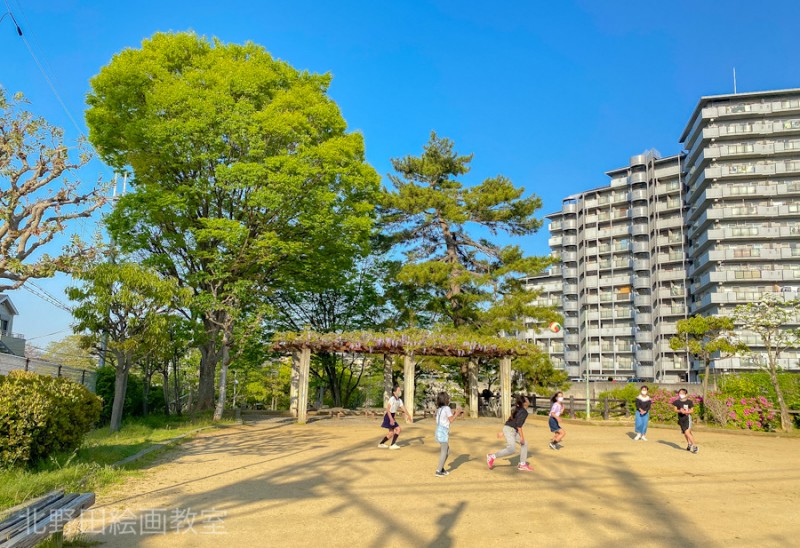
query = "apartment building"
{"x": 697, "y": 233}
{"x": 742, "y": 173}
{"x": 623, "y": 270}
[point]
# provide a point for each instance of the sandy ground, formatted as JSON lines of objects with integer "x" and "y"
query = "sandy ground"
{"x": 272, "y": 483}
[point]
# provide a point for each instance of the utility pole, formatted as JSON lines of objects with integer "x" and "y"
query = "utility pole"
{"x": 114, "y": 198}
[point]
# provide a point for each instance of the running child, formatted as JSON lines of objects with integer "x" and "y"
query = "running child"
{"x": 555, "y": 420}
{"x": 389, "y": 421}
{"x": 444, "y": 418}
{"x": 512, "y": 430}
{"x": 685, "y": 407}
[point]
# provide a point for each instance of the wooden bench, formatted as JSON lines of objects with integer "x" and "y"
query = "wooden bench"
{"x": 45, "y": 517}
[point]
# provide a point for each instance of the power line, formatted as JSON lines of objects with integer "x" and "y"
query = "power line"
{"x": 44, "y": 295}
{"x": 41, "y": 68}
{"x": 49, "y": 334}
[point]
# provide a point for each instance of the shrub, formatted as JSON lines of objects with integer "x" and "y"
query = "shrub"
{"x": 628, "y": 392}
{"x": 662, "y": 409}
{"x": 42, "y": 415}
{"x": 746, "y": 413}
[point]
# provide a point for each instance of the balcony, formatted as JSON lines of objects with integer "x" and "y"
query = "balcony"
{"x": 641, "y": 264}
{"x": 637, "y": 177}
{"x": 639, "y": 212}
{"x": 644, "y": 337}
{"x": 645, "y": 356}
{"x": 640, "y": 229}
{"x": 640, "y": 301}
{"x": 641, "y": 282}
{"x": 571, "y": 321}
{"x": 569, "y": 257}
{"x": 644, "y": 318}
{"x": 15, "y": 342}
{"x": 570, "y": 306}
{"x": 641, "y": 247}
{"x": 638, "y": 194}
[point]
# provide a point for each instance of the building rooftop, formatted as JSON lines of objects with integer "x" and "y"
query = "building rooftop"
{"x": 749, "y": 95}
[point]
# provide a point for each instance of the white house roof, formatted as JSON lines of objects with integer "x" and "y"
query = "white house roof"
{"x": 6, "y": 300}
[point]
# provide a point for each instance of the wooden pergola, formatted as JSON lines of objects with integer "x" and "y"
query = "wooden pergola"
{"x": 409, "y": 344}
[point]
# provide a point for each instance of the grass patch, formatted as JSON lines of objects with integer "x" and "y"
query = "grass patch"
{"x": 89, "y": 467}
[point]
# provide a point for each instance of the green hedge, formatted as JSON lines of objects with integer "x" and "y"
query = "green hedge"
{"x": 42, "y": 415}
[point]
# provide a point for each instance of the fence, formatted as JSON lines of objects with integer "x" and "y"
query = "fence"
{"x": 572, "y": 405}
{"x": 9, "y": 362}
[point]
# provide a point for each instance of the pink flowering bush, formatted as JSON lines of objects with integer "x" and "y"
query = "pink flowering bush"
{"x": 756, "y": 413}
{"x": 662, "y": 409}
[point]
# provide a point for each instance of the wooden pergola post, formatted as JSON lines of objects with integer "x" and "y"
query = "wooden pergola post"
{"x": 387, "y": 378}
{"x": 408, "y": 383}
{"x": 472, "y": 376}
{"x": 294, "y": 385}
{"x": 302, "y": 395}
{"x": 505, "y": 387}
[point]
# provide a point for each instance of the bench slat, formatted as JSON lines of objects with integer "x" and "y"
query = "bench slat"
{"x": 39, "y": 507}
{"x": 49, "y": 519}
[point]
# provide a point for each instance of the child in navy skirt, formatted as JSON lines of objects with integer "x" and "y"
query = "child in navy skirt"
{"x": 389, "y": 421}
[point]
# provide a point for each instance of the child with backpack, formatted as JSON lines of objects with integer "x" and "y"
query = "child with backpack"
{"x": 444, "y": 418}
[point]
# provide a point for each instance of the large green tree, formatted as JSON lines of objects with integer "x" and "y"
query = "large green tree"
{"x": 449, "y": 234}
{"x": 772, "y": 319}
{"x": 39, "y": 194}
{"x": 244, "y": 175}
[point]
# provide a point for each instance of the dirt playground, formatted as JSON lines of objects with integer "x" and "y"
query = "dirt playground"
{"x": 273, "y": 483}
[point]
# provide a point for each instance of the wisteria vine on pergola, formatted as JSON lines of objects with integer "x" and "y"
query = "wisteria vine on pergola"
{"x": 410, "y": 342}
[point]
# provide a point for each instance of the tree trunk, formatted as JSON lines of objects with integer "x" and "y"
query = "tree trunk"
{"x": 705, "y": 380}
{"x": 165, "y": 387}
{"x": 146, "y": 392}
{"x": 120, "y": 388}
{"x": 209, "y": 357}
{"x": 786, "y": 419}
{"x": 177, "y": 386}
{"x": 223, "y": 378}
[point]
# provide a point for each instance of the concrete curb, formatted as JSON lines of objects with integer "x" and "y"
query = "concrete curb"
{"x": 159, "y": 445}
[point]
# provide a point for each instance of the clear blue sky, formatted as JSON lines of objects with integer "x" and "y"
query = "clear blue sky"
{"x": 550, "y": 94}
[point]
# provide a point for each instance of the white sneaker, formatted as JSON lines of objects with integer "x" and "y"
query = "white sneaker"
{"x": 644, "y": 439}
{"x": 394, "y": 446}
{"x": 638, "y": 437}
{"x": 382, "y": 445}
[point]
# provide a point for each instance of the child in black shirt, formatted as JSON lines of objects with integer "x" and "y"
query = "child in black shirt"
{"x": 512, "y": 430}
{"x": 685, "y": 407}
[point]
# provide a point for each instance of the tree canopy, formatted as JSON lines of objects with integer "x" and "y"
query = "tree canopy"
{"x": 244, "y": 175}
{"x": 38, "y": 195}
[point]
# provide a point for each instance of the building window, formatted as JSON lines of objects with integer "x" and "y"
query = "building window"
{"x": 740, "y": 148}
{"x": 742, "y": 168}
{"x": 736, "y": 109}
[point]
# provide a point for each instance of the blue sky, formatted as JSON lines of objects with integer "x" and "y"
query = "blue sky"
{"x": 549, "y": 94}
